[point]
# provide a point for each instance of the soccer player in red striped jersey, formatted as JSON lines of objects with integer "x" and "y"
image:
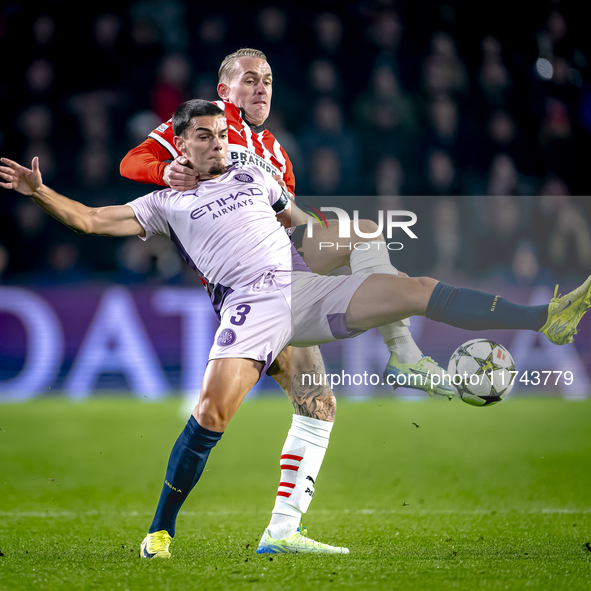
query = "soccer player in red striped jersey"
{"x": 249, "y": 144}
{"x": 245, "y": 87}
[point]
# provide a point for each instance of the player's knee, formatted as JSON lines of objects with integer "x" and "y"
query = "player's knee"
{"x": 306, "y": 361}
{"x": 427, "y": 284}
{"x": 211, "y": 416}
{"x": 366, "y": 228}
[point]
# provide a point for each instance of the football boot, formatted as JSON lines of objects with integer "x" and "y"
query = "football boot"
{"x": 565, "y": 313}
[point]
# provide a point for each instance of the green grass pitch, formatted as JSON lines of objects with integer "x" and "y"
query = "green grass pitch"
{"x": 426, "y": 495}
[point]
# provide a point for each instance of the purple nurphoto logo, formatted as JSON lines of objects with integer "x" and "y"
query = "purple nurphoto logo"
{"x": 227, "y": 337}
{"x": 243, "y": 177}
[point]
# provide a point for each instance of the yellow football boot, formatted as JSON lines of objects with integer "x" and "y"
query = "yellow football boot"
{"x": 565, "y": 313}
{"x": 156, "y": 545}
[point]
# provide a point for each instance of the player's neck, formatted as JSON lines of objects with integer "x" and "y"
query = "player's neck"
{"x": 256, "y": 127}
{"x": 205, "y": 176}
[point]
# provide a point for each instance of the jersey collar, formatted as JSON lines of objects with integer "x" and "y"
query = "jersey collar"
{"x": 255, "y": 128}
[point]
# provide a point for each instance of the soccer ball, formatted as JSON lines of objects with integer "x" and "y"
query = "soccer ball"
{"x": 480, "y": 371}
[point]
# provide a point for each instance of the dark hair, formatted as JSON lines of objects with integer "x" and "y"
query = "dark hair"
{"x": 193, "y": 108}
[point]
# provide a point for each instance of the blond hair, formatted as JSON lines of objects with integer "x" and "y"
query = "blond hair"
{"x": 229, "y": 64}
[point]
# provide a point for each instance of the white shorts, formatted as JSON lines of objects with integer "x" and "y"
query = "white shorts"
{"x": 319, "y": 306}
{"x": 299, "y": 308}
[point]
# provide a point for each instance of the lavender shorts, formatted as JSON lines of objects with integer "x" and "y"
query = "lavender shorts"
{"x": 299, "y": 308}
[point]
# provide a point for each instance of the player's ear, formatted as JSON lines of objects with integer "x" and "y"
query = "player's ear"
{"x": 223, "y": 91}
{"x": 179, "y": 142}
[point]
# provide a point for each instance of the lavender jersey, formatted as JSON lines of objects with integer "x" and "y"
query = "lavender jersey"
{"x": 202, "y": 223}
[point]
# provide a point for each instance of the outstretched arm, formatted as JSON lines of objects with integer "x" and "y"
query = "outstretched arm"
{"x": 116, "y": 220}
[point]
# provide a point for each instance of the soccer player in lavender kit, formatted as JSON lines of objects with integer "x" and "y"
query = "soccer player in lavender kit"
{"x": 267, "y": 296}
{"x": 246, "y": 89}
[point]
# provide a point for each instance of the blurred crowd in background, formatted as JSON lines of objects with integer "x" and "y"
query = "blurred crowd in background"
{"x": 478, "y": 119}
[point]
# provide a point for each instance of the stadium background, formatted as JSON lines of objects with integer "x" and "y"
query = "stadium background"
{"x": 480, "y": 122}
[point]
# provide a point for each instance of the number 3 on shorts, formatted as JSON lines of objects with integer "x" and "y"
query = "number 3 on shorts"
{"x": 241, "y": 311}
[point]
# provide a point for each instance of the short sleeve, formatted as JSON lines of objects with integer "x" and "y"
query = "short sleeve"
{"x": 151, "y": 213}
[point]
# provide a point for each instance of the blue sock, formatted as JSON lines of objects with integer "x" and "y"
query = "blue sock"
{"x": 476, "y": 310}
{"x": 185, "y": 466}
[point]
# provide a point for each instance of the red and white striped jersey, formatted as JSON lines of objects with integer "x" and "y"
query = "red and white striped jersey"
{"x": 246, "y": 145}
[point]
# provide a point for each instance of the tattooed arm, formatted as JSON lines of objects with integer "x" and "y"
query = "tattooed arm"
{"x": 309, "y": 400}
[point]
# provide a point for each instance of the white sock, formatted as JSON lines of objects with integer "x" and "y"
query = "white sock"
{"x": 405, "y": 348}
{"x": 376, "y": 259}
{"x": 300, "y": 463}
{"x": 283, "y": 526}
